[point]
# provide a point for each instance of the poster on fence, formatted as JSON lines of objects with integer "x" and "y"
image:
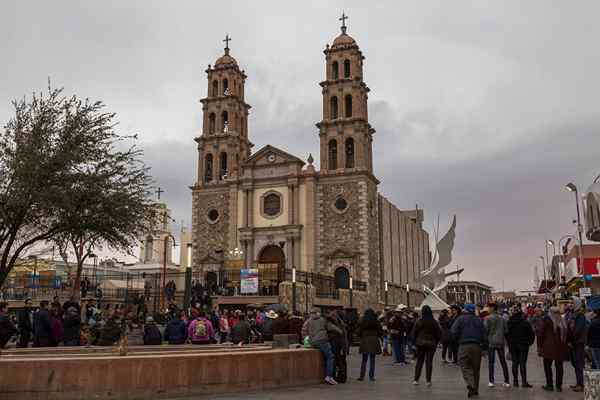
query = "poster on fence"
{"x": 249, "y": 281}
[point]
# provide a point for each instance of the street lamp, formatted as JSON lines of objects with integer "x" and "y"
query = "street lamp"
{"x": 408, "y": 296}
{"x": 293, "y": 290}
{"x": 187, "y": 297}
{"x": 351, "y": 288}
{"x": 572, "y": 188}
{"x": 385, "y": 286}
{"x": 544, "y": 270}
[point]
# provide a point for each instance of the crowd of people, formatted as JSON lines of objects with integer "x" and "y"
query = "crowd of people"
{"x": 464, "y": 335}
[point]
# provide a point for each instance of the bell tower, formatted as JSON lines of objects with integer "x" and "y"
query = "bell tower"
{"x": 345, "y": 134}
{"x": 223, "y": 145}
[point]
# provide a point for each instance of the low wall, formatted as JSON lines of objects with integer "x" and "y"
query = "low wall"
{"x": 156, "y": 375}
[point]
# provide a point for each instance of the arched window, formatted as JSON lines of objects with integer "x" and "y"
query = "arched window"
{"x": 225, "y": 87}
{"x": 225, "y": 121}
{"x": 272, "y": 205}
{"x": 346, "y": 68}
{"x": 342, "y": 278}
{"x": 348, "y": 101}
{"x": 208, "y": 168}
{"x": 349, "y": 153}
{"x": 334, "y": 107}
{"x": 332, "y": 151}
{"x": 335, "y": 70}
{"x": 211, "y": 123}
{"x": 215, "y": 88}
{"x": 223, "y": 165}
{"x": 149, "y": 249}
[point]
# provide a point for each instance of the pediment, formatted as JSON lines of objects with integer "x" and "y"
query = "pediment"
{"x": 270, "y": 155}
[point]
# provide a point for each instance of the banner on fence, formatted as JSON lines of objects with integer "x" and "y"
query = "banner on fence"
{"x": 249, "y": 281}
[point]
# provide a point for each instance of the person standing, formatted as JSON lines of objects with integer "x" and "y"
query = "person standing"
{"x": 520, "y": 336}
{"x": 72, "y": 327}
{"x": 25, "y": 324}
{"x": 496, "y": 329}
{"x": 317, "y": 329}
{"x": 397, "y": 331}
{"x": 339, "y": 346}
{"x": 42, "y": 326}
{"x": 455, "y": 312}
{"x": 470, "y": 335}
{"x": 444, "y": 322}
{"x": 426, "y": 334}
{"x": 593, "y": 338}
{"x": 370, "y": 332}
{"x": 242, "y": 332}
{"x": 176, "y": 330}
{"x": 577, "y": 331}
{"x": 7, "y": 328}
{"x": 552, "y": 346}
{"x": 224, "y": 326}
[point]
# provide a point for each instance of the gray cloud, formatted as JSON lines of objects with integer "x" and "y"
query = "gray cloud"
{"x": 482, "y": 109}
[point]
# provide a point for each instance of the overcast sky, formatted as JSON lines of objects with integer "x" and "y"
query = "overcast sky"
{"x": 484, "y": 110}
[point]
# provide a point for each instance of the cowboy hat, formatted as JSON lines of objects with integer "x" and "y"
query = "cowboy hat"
{"x": 400, "y": 307}
{"x": 271, "y": 314}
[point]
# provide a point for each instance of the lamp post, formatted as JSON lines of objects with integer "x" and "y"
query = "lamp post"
{"x": 293, "y": 290}
{"x": 385, "y": 286}
{"x": 544, "y": 271}
{"x": 33, "y": 279}
{"x": 551, "y": 242}
{"x": 408, "y": 296}
{"x": 572, "y": 188}
{"x": 351, "y": 288}
{"x": 187, "y": 296}
{"x": 164, "y": 269}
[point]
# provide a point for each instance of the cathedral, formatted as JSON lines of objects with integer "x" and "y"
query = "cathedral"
{"x": 274, "y": 212}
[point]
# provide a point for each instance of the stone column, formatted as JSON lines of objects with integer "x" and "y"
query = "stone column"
{"x": 291, "y": 205}
{"x": 245, "y": 208}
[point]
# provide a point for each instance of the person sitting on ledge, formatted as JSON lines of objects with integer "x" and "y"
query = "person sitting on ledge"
{"x": 316, "y": 328}
{"x": 111, "y": 332}
{"x": 242, "y": 332}
{"x": 176, "y": 331}
{"x": 201, "y": 330}
{"x": 152, "y": 336}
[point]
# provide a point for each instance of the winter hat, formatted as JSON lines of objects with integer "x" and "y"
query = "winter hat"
{"x": 470, "y": 308}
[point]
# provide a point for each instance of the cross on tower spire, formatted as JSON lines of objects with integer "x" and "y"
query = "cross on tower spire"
{"x": 343, "y": 19}
{"x": 226, "y": 40}
{"x": 159, "y": 191}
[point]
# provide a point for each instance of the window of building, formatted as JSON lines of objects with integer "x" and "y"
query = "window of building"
{"x": 212, "y": 216}
{"x": 208, "y": 168}
{"x": 215, "y": 88}
{"x": 225, "y": 87}
{"x": 332, "y": 151}
{"x": 334, "y": 107}
{"x": 348, "y": 101}
{"x": 211, "y": 123}
{"x": 225, "y": 121}
{"x": 342, "y": 278}
{"x": 223, "y": 162}
{"x": 335, "y": 70}
{"x": 349, "y": 153}
{"x": 271, "y": 204}
{"x": 346, "y": 68}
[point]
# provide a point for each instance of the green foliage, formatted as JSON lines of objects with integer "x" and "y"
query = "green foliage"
{"x": 67, "y": 177}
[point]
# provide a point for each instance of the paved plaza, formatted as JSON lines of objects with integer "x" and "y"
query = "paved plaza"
{"x": 396, "y": 382}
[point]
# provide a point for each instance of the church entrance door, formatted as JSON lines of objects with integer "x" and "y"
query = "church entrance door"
{"x": 271, "y": 270}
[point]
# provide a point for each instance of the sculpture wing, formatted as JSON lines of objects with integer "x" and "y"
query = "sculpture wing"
{"x": 445, "y": 247}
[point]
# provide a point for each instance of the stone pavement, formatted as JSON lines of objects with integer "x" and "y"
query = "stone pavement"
{"x": 396, "y": 382}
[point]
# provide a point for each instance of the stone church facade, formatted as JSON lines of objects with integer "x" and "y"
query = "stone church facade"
{"x": 275, "y": 212}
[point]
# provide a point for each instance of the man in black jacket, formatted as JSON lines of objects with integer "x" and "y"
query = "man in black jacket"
{"x": 42, "y": 326}
{"x": 7, "y": 328}
{"x": 520, "y": 336}
{"x": 470, "y": 334}
{"x": 25, "y": 324}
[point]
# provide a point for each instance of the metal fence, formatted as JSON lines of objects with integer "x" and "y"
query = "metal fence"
{"x": 147, "y": 288}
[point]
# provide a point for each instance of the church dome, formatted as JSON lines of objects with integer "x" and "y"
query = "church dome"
{"x": 344, "y": 40}
{"x": 225, "y": 59}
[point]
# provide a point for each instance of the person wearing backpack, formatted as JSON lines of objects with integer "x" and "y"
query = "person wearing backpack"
{"x": 201, "y": 330}
{"x": 152, "y": 336}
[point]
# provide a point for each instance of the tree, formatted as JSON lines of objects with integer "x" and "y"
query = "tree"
{"x": 67, "y": 177}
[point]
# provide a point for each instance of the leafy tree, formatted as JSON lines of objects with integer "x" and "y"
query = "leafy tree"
{"x": 67, "y": 177}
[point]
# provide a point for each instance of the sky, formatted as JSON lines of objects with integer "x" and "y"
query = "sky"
{"x": 482, "y": 109}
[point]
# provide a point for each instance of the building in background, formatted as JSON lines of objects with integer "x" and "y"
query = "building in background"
{"x": 461, "y": 292}
{"x": 273, "y": 212}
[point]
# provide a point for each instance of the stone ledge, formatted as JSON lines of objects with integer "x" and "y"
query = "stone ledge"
{"x": 158, "y": 375}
